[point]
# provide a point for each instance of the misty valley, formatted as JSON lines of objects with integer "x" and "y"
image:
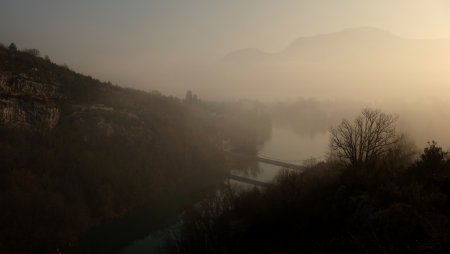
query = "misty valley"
{"x": 90, "y": 167}
{"x": 224, "y": 127}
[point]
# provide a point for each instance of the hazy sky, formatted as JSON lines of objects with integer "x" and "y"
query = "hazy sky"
{"x": 129, "y": 41}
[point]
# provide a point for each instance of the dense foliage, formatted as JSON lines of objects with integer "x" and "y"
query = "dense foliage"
{"x": 112, "y": 150}
{"x": 385, "y": 208}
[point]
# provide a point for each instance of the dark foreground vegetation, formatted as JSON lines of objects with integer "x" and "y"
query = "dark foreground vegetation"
{"x": 389, "y": 202}
{"x": 76, "y": 153}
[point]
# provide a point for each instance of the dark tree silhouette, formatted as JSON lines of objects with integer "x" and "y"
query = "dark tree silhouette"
{"x": 433, "y": 158}
{"x": 189, "y": 96}
{"x": 12, "y": 47}
{"x": 367, "y": 138}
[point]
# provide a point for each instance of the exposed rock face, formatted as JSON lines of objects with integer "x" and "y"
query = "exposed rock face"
{"x": 25, "y": 103}
{"x": 39, "y": 95}
{"x": 24, "y": 86}
{"x": 15, "y": 113}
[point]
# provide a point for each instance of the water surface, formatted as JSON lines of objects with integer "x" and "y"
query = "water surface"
{"x": 284, "y": 144}
{"x": 287, "y": 145}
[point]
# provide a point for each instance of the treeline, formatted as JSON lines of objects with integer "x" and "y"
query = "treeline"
{"x": 112, "y": 150}
{"x": 391, "y": 202}
{"x": 243, "y": 125}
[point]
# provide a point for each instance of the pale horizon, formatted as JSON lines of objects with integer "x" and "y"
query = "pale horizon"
{"x": 171, "y": 46}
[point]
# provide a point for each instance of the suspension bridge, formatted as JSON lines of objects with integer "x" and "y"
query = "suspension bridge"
{"x": 265, "y": 160}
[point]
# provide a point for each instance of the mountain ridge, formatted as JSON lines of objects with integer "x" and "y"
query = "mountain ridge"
{"x": 366, "y": 32}
{"x": 366, "y": 62}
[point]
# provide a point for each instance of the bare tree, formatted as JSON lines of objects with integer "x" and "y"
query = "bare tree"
{"x": 368, "y": 138}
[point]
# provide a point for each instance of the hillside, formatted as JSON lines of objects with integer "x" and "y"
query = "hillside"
{"x": 76, "y": 152}
{"x": 392, "y": 203}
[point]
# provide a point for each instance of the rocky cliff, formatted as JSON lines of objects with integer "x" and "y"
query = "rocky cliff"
{"x": 76, "y": 152}
{"x": 25, "y": 103}
{"x": 38, "y": 95}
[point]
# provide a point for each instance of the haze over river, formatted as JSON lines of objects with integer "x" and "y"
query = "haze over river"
{"x": 285, "y": 144}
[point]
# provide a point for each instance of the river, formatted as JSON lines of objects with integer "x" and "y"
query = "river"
{"x": 285, "y": 144}
{"x": 289, "y": 146}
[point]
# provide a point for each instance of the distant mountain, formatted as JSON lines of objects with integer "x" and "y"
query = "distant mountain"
{"x": 343, "y": 38}
{"x": 365, "y": 62}
{"x": 348, "y": 42}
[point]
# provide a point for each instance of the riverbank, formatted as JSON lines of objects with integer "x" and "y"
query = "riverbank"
{"x": 116, "y": 235}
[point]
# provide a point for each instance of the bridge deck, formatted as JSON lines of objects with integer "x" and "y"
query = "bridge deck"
{"x": 248, "y": 180}
{"x": 262, "y": 160}
{"x": 279, "y": 163}
{"x": 270, "y": 161}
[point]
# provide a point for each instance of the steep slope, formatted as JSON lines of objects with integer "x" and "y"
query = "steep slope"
{"x": 76, "y": 152}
